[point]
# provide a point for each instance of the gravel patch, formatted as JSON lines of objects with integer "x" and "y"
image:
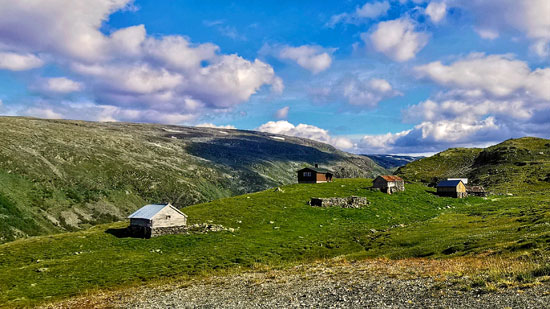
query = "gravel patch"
{"x": 343, "y": 286}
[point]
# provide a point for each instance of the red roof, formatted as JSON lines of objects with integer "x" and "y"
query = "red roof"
{"x": 391, "y": 178}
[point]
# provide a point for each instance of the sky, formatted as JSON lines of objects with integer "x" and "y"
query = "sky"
{"x": 388, "y": 76}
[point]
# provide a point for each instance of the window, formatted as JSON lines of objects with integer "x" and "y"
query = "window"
{"x": 168, "y": 217}
{"x": 307, "y": 174}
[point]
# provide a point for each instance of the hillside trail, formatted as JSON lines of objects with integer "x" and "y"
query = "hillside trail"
{"x": 363, "y": 284}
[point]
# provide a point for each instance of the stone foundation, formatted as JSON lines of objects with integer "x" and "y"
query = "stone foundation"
{"x": 147, "y": 232}
{"x": 343, "y": 202}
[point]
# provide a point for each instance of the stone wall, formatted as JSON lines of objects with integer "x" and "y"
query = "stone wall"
{"x": 146, "y": 232}
{"x": 343, "y": 202}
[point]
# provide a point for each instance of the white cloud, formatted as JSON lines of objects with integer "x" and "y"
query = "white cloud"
{"x": 128, "y": 69}
{"x": 436, "y": 11}
{"x": 305, "y": 131}
{"x": 61, "y": 85}
{"x": 369, "y": 10}
{"x": 397, "y": 39}
{"x": 497, "y": 75}
{"x": 282, "y": 113}
{"x": 211, "y": 125}
{"x": 529, "y": 17}
{"x": 309, "y": 57}
{"x": 19, "y": 62}
{"x": 356, "y": 91}
{"x": 486, "y": 99}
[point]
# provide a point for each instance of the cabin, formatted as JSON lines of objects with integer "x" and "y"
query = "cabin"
{"x": 464, "y": 180}
{"x": 476, "y": 191}
{"x": 389, "y": 184}
{"x": 451, "y": 188}
{"x": 156, "y": 219}
{"x": 314, "y": 175}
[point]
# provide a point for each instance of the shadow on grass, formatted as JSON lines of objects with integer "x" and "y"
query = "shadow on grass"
{"x": 122, "y": 233}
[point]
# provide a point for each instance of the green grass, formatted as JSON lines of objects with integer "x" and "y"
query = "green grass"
{"x": 75, "y": 262}
{"x": 516, "y": 165}
{"x": 278, "y": 229}
{"x": 62, "y": 175}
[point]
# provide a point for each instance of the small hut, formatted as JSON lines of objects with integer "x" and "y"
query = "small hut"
{"x": 389, "y": 184}
{"x": 451, "y": 188}
{"x": 157, "y": 219}
{"x": 476, "y": 191}
{"x": 314, "y": 175}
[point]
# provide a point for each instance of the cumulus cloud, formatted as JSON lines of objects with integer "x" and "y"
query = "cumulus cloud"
{"x": 487, "y": 98}
{"x": 282, "y": 113}
{"x": 128, "y": 69}
{"x": 211, "y": 125}
{"x": 283, "y": 127}
{"x": 61, "y": 85}
{"x": 369, "y": 10}
{"x": 310, "y": 57}
{"x": 356, "y": 91}
{"x": 436, "y": 11}
{"x": 529, "y": 17}
{"x": 397, "y": 39}
{"x": 19, "y": 62}
{"x": 497, "y": 75}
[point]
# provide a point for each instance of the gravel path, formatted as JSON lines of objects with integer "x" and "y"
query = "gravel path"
{"x": 343, "y": 286}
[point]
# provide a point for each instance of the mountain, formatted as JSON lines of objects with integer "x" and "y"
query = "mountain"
{"x": 514, "y": 165}
{"x": 58, "y": 175}
{"x": 391, "y": 162}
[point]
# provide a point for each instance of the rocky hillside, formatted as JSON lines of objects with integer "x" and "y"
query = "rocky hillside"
{"x": 65, "y": 175}
{"x": 511, "y": 166}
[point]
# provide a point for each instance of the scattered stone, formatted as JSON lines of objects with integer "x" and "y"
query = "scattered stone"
{"x": 373, "y": 231}
{"x": 278, "y": 189}
{"x": 343, "y": 202}
{"x": 271, "y": 222}
{"x": 42, "y": 269}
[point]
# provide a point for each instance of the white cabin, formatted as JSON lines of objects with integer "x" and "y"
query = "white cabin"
{"x": 158, "y": 215}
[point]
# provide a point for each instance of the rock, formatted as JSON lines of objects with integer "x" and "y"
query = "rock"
{"x": 42, "y": 269}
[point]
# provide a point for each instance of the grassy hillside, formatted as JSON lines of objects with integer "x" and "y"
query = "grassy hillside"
{"x": 65, "y": 175}
{"x": 279, "y": 228}
{"x": 515, "y": 165}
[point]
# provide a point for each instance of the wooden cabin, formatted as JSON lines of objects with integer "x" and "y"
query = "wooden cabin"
{"x": 389, "y": 184}
{"x": 451, "y": 188}
{"x": 150, "y": 219}
{"x": 314, "y": 175}
{"x": 476, "y": 191}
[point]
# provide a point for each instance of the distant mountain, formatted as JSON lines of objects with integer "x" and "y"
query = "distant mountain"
{"x": 514, "y": 165}
{"x": 60, "y": 175}
{"x": 391, "y": 162}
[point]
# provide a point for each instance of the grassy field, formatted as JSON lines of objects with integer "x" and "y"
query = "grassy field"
{"x": 278, "y": 229}
{"x": 62, "y": 175}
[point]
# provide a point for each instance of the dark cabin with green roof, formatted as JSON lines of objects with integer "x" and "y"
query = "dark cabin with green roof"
{"x": 314, "y": 175}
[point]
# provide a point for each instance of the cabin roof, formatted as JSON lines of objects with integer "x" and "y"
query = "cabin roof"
{"x": 391, "y": 178}
{"x": 317, "y": 170}
{"x": 448, "y": 183}
{"x": 149, "y": 211}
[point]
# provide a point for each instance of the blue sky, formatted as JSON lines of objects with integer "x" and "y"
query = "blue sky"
{"x": 400, "y": 76}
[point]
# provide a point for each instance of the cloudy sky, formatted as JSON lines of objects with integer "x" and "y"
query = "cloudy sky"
{"x": 389, "y": 76}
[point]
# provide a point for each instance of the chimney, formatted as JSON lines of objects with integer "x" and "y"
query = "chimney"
{"x": 316, "y": 165}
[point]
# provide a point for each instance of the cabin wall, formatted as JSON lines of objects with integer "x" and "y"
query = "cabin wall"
{"x": 168, "y": 217}
{"x": 321, "y": 178}
{"x": 379, "y": 182}
{"x": 307, "y": 179}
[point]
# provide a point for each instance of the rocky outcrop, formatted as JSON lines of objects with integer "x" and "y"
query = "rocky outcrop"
{"x": 343, "y": 202}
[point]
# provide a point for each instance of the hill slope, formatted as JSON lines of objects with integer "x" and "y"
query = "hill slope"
{"x": 514, "y": 165}
{"x": 64, "y": 175}
{"x": 278, "y": 228}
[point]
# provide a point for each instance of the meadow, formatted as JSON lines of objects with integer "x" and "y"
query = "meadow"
{"x": 276, "y": 229}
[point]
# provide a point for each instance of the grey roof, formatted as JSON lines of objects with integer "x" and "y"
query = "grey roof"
{"x": 448, "y": 183}
{"x": 318, "y": 170}
{"x": 149, "y": 211}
